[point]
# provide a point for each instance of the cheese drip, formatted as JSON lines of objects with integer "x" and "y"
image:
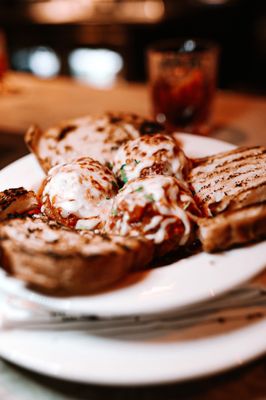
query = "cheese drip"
{"x": 164, "y": 197}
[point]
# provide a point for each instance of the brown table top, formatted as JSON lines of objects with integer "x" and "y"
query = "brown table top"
{"x": 238, "y": 118}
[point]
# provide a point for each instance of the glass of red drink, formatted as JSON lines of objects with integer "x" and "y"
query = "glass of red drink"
{"x": 182, "y": 76}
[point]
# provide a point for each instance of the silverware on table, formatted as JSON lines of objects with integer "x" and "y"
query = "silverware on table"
{"x": 245, "y": 302}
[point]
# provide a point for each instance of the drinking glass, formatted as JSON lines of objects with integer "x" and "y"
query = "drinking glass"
{"x": 182, "y": 77}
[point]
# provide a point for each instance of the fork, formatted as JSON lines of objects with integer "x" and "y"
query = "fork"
{"x": 245, "y": 302}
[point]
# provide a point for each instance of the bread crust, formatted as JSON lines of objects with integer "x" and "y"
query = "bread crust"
{"x": 55, "y": 259}
{"x": 16, "y": 201}
{"x": 233, "y": 228}
{"x": 32, "y": 138}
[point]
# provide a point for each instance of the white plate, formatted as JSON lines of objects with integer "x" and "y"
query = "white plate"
{"x": 146, "y": 357}
{"x": 163, "y": 289}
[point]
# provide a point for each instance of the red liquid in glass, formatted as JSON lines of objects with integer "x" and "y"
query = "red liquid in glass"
{"x": 3, "y": 65}
{"x": 183, "y": 100}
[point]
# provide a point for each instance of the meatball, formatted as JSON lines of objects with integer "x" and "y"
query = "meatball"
{"x": 150, "y": 155}
{"x": 78, "y": 194}
{"x": 157, "y": 207}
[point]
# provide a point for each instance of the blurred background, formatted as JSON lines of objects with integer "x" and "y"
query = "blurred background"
{"x": 104, "y": 41}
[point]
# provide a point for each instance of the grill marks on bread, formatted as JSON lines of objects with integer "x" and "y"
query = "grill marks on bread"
{"x": 230, "y": 180}
{"x": 16, "y": 201}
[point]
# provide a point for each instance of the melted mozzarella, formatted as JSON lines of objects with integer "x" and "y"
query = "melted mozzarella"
{"x": 168, "y": 198}
{"x": 81, "y": 188}
{"x": 142, "y": 153}
{"x": 87, "y": 224}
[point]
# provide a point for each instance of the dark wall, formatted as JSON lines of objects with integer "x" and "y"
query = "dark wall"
{"x": 238, "y": 26}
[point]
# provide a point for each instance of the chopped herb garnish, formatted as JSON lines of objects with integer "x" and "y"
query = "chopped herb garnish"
{"x": 186, "y": 205}
{"x": 123, "y": 173}
{"x": 139, "y": 189}
{"x": 114, "y": 212}
{"x": 109, "y": 165}
{"x": 114, "y": 184}
{"x": 137, "y": 161}
{"x": 149, "y": 197}
{"x": 108, "y": 198}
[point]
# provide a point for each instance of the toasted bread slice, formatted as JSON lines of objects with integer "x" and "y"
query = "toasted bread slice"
{"x": 96, "y": 137}
{"x": 56, "y": 259}
{"x": 233, "y": 228}
{"x": 53, "y": 258}
{"x": 229, "y": 181}
{"x": 16, "y": 201}
{"x": 230, "y": 190}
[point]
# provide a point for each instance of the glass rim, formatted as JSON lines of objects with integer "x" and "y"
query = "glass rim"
{"x": 173, "y": 46}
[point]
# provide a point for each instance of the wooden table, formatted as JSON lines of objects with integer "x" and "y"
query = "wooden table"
{"x": 238, "y": 118}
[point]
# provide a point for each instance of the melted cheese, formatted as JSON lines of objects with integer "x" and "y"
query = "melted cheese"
{"x": 168, "y": 199}
{"x": 81, "y": 188}
{"x": 142, "y": 153}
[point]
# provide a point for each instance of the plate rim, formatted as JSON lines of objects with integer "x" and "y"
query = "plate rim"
{"x": 226, "y": 360}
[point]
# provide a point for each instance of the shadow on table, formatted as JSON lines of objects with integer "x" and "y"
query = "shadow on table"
{"x": 12, "y": 147}
{"x": 229, "y": 134}
{"x": 245, "y": 383}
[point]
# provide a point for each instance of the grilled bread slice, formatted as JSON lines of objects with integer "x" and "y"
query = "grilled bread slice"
{"x": 56, "y": 259}
{"x": 53, "y": 258}
{"x": 230, "y": 190}
{"x": 16, "y": 201}
{"x": 230, "y": 180}
{"x": 233, "y": 228}
{"x": 97, "y": 137}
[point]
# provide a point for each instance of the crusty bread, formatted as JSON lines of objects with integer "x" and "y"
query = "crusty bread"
{"x": 97, "y": 137}
{"x": 230, "y": 180}
{"x": 233, "y": 228}
{"x": 230, "y": 190}
{"x": 16, "y": 201}
{"x": 53, "y": 258}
